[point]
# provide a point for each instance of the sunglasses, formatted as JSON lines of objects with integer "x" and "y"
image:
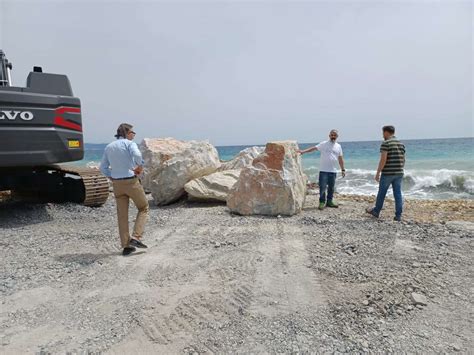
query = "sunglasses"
{"x": 132, "y": 132}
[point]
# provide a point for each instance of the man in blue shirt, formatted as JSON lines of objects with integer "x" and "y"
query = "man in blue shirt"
{"x": 122, "y": 163}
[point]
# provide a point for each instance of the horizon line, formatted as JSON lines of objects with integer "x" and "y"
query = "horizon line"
{"x": 354, "y": 141}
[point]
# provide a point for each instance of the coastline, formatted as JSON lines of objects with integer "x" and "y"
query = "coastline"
{"x": 216, "y": 282}
{"x": 423, "y": 210}
{"x": 415, "y": 210}
{"x": 436, "y": 168}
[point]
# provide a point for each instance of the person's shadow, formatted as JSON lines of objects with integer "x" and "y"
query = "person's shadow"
{"x": 84, "y": 259}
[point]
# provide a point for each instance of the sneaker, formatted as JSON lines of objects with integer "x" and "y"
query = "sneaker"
{"x": 397, "y": 218}
{"x": 372, "y": 212}
{"x": 136, "y": 243}
{"x": 128, "y": 250}
{"x": 332, "y": 204}
{"x": 321, "y": 206}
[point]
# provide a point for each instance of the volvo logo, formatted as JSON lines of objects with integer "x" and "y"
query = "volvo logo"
{"x": 13, "y": 115}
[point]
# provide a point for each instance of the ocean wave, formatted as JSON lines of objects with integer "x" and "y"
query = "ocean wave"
{"x": 93, "y": 164}
{"x": 443, "y": 179}
{"x": 438, "y": 183}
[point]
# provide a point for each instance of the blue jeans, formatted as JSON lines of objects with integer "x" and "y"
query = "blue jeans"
{"x": 326, "y": 181}
{"x": 385, "y": 182}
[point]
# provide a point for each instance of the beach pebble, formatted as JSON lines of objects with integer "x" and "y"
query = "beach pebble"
{"x": 75, "y": 251}
{"x": 418, "y": 299}
{"x": 456, "y": 347}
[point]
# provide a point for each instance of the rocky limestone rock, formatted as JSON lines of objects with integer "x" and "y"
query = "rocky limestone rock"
{"x": 243, "y": 159}
{"x": 214, "y": 187}
{"x": 274, "y": 185}
{"x": 170, "y": 164}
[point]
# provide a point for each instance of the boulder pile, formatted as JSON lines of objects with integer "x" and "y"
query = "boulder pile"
{"x": 262, "y": 181}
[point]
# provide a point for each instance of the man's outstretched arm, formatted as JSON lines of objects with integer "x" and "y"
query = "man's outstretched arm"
{"x": 309, "y": 150}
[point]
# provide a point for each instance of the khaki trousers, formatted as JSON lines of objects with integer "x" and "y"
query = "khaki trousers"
{"x": 124, "y": 190}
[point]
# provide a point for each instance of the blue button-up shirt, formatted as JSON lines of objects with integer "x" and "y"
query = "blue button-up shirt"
{"x": 120, "y": 158}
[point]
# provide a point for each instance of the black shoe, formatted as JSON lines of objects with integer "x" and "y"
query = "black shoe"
{"x": 128, "y": 250}
{"x": 397, "y": 219}
{"x": 372, "y": 212}
{"x": 137, "y": 243}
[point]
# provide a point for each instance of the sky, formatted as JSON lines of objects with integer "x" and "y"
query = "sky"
{"x": 248, "y": 72}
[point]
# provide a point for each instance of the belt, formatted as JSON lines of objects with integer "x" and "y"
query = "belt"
{"x": 126, "y": 178}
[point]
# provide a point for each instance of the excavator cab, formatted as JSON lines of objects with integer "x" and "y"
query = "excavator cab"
{"x": 40, "y": 127}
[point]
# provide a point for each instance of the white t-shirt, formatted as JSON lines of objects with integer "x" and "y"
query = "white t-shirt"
{"x": 330, "y": 152}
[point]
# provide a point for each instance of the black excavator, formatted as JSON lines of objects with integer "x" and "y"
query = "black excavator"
{"x": 40, "y": 129}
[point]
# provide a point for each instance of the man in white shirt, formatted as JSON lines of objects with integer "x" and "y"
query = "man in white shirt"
{"x": 331, "y": 156}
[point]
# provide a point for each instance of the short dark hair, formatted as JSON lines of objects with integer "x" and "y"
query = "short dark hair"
{"x": 123, "y": 130}
{"x": 389, "y": 129}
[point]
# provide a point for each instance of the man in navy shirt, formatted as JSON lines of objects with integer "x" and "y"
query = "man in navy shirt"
{"x": 122, "y": 163}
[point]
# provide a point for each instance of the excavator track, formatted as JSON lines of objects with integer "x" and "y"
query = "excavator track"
{"x": 58, "y": 183}
{"x": 96, "y": 185}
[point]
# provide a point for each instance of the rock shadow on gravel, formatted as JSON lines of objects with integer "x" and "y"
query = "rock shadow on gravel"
{"x": 185, "y": 203}
{"x": 174, "y": 205}
{"x": 203, "y": 204}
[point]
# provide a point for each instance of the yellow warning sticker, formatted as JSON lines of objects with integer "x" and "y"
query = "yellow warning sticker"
{"x": 74, "y": 143}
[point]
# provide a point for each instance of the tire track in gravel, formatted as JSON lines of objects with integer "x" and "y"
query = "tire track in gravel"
{"x": 196, "y": 313}
{"x": 237, "y": 264}
{"x": 286, "y": 282}
{"x": 174, "y": 309}
{"x": 270, "y": 277}
{"x": 129, "y": 272}
{"x": 218, "y": 284}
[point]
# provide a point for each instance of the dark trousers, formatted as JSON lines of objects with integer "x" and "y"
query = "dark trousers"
{"x": 326, "y": 181}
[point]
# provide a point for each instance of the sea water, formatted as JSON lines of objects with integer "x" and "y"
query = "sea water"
{"x": 435, "y": 168}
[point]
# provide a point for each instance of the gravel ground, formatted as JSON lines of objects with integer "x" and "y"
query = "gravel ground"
{"x": 323, "y": 281}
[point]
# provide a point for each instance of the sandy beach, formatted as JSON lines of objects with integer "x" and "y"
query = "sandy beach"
{"x": 212, "y": 282}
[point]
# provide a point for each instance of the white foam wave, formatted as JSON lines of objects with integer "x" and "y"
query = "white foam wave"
{"x": 454, "y": 179}
{"x": 437, "y": 183}
{"x": 93, "y": 164}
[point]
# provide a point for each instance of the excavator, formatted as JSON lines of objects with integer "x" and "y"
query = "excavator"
{"x": 40, "y": 134}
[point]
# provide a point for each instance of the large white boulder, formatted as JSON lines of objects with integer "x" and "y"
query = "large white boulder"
{"x": 171, "y": 163}
{"x": 214, "y": 187}
{"x": 243, "y": 159}
{"x": 274, "y": 185}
